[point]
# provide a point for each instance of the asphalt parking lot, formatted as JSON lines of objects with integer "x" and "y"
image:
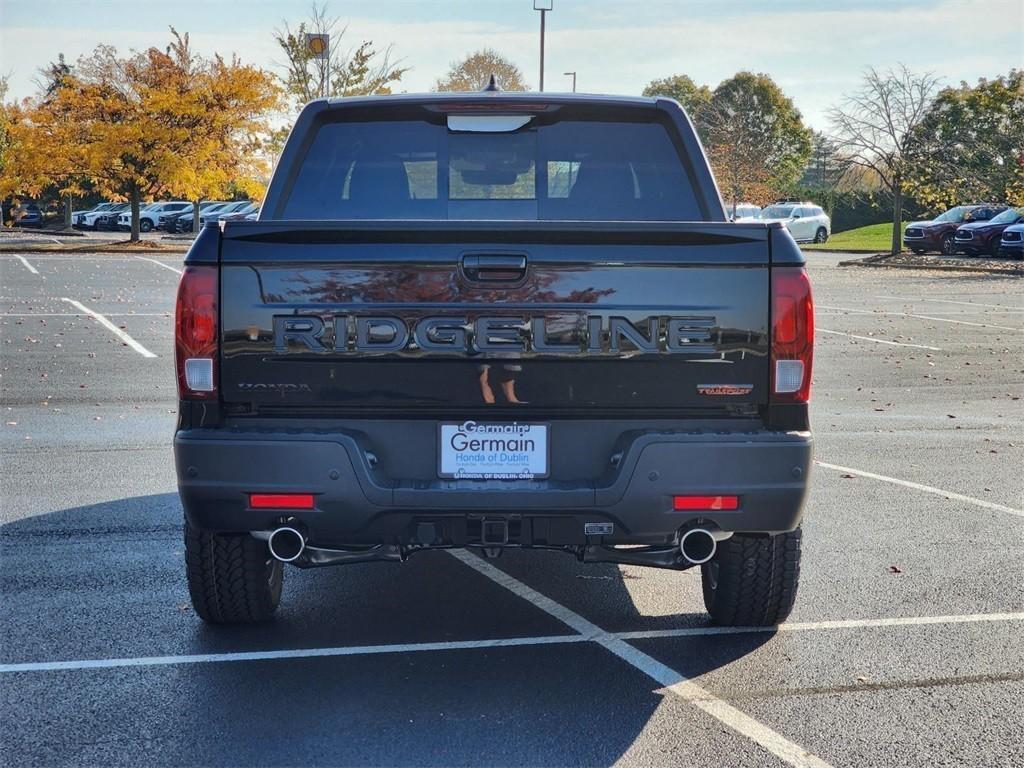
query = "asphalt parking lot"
{"x": 906, "y": 647}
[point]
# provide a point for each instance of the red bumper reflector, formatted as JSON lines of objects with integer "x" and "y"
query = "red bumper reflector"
{"x": 281, "y": 500}
{"x": 690, "y": 503}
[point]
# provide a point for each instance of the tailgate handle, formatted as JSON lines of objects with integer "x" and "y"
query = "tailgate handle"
{"x": 494, "y": 267}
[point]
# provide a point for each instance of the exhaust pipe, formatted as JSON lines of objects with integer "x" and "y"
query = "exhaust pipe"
{"x": 698, "y": 545}
{"x": 286, "y": 544}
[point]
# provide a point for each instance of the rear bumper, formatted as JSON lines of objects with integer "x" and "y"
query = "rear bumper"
{"x": 357, "y": 506}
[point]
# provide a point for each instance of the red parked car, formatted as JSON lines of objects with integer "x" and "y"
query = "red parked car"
{"x": 983, "y": 236}
{"x": 938, "y": 234}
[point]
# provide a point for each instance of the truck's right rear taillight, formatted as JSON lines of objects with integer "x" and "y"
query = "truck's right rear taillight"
{"x": 195, "y": 333}
{"x": 792, "y": 335}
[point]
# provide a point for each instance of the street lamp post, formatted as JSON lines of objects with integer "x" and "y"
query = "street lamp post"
{"x": 543, "y": 6}
{"x": 573, "y": 80}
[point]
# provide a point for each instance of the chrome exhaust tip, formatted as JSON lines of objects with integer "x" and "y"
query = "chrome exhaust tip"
{"x": 286, "y": 544}
{"x": 698, "y": 545}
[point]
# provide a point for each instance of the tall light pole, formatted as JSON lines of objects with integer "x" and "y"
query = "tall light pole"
{"x": 573, "y": 80}
{"x": 543, "y": 6}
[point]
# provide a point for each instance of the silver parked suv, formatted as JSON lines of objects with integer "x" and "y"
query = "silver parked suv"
{"x": 807, "y": 222}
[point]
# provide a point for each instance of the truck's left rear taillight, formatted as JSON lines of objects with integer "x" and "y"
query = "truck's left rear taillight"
{"x": 195, "y": 333}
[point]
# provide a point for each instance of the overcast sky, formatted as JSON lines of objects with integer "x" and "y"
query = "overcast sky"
{"x": 814, "y": 50}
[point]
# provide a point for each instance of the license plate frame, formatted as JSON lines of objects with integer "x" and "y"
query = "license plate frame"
{"x": 454, "y": 463}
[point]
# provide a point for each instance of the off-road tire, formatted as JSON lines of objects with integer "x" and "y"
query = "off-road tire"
{"x": 232, "y": 578}
{"x": 751, "y": 581}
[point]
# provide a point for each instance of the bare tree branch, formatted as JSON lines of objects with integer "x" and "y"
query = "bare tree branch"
{"x": 875, "y": 126}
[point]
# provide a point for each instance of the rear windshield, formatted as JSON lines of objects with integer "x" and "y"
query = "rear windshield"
{"x": 569, "y": 170}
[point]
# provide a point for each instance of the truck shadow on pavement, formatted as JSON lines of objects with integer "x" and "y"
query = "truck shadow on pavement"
{"x": 106, "y": 581}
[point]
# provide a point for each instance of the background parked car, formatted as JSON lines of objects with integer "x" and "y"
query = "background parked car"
{"x": 1012, "y": 241}
{"x": 938, "y": 233}
{"x": 225, "y": 211}
{"x": 87, "y": 219}
{"x": 743, "y": 212}
{"x": 807, "y": 222}
{"x": 27, "y": 215}
{"x": 108, "y": 219}
{"x": 150, "y": 215}
{"x": 171, "y": 222}
{"x": 984, "y": 236}
{"x": 251, "y": 209}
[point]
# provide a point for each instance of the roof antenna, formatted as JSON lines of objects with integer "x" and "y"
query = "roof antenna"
{"x": 492, "y": 86}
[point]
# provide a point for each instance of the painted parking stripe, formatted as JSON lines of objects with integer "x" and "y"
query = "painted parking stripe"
{"x": 728, "y": 715}
{"x": 925, "y": 488}
{"x": 161, "y": 264}
{"x": 878, "y": 341}
{"x": 28, "y": 266}
{"x": 805, "y": 626}
{"x": 877, "y": 312}
{"x": 110, "y": 327}
{"x": 510, "y": 642}
{"x": 295, "y": 653}
{"x": 951, "y": 301}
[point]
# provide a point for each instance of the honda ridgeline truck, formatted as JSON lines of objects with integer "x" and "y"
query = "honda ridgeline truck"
{"x": 494, "y": 320}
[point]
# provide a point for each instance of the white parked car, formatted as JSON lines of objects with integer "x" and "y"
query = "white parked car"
{"x": 150, "y": 215}
{"x": 87, "y": 219}
{"x": 805, "y": 221}
{"x": 743, "y": 212}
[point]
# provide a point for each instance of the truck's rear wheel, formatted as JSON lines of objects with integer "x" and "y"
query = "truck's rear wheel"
{"x": 752, "y": 581}
{"x": 232, "y": 578}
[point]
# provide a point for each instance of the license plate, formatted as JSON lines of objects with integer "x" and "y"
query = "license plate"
{"x": 477, "y": 450}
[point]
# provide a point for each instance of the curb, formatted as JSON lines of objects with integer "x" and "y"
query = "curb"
{"x": 43, "y": 232}
{"x": 840, "y": 250}
{"x": 1019, "y": 272}
{"x": 86, "y": 249}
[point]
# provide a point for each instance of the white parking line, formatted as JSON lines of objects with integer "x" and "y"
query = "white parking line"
{"x": 722, "y": 711}
{"x": 926, "y": 488}
{"x": 161, "y": 264}
{"x": 296, "y": 653}
{"x": 79, "y": 314}
{"x": 804, "y": 626}
{"x": 878, "y": 341}
{"x": 110, "y": 327}
{"x": 877, "y": 312}
{"x": 951, "y": 301}
{"x": 28, "y": 266}
{"x": 508, "y": 642}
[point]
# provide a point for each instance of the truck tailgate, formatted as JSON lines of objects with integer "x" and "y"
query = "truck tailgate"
{"x": 448, "y": 318}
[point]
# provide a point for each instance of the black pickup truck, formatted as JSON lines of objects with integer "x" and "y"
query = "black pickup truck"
{"x": 494, "y": 320}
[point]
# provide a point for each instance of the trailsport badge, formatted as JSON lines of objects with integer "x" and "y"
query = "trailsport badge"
{"x": 724, "y": 390}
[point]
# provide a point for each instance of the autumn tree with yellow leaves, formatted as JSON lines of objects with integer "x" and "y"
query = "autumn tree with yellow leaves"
{"x": 154, "y": 123}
